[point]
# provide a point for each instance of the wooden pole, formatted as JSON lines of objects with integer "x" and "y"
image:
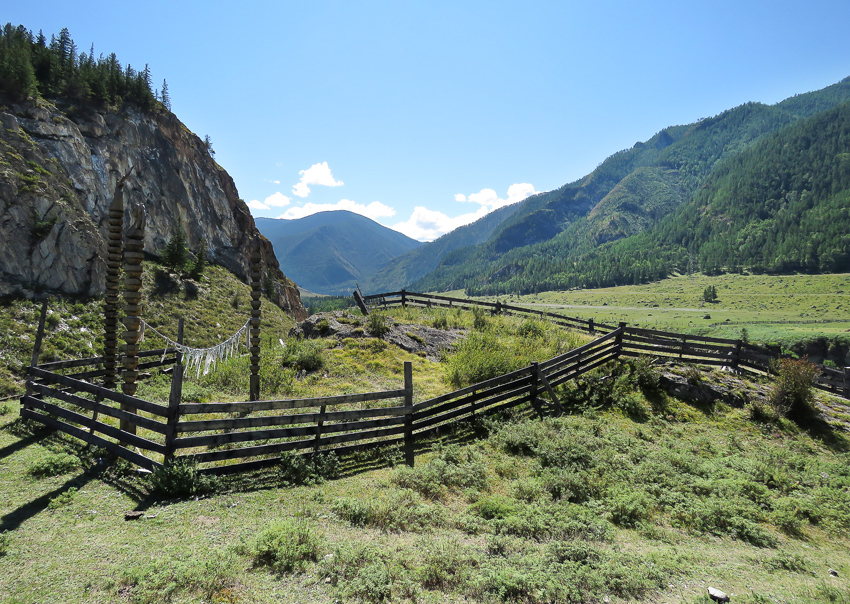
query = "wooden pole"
{"x": 112, "y": 302}
{"x": 39, "y": 334}
{"x": 133, "y": 255}
{"x": 408, "y": 418}
{"x": 254, "y": 331}
{"x": 619, "y": 338}
{"x": 174, "y": 398}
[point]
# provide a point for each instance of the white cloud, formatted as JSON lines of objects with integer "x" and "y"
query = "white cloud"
{"x": 257, "y": 205}
{"x": 427, "y": 225}
{"x": 490, "y": 199}
{"x": 374, "y": 210}
{"x": 317, "y": 174}
{"x": 277, "y": 200}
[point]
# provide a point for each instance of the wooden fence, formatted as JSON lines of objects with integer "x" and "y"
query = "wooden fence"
{"x": 735, "y": 354}
{"x": 229, "y": 437}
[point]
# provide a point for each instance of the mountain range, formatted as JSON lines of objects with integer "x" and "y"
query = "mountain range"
{"x": 764, "y": 188}
{"x": 330, "y": 252}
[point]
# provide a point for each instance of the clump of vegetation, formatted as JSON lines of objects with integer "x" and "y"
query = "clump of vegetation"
{"x": 62, "y": 499}
{"x": 392, "y": 510}
{"x": 54, "y": 464}
{"x": 453, "y": 468}
{"x": 181, "y": 479}
{"x": 480, "y": 356}
{"x": 286, "y": 546}
{"x": 379, "y": 324}
{"x": 479, "y": 320}
{"x": 296, "y": 469}
{"x": 792, "y": 394}
{"x": 5, "y": 543}
{"x": 211, "y": 577}
{"x": 303, "y": 355}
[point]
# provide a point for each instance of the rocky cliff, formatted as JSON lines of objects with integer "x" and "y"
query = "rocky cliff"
{"x": 59, "y": 166}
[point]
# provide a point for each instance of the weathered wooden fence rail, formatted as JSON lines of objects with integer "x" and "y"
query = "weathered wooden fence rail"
{"x": 239, "y": 436}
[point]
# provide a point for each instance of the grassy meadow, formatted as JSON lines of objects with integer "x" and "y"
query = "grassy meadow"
{"x": 632, "y": 496}
{"x": 773, "y": 309}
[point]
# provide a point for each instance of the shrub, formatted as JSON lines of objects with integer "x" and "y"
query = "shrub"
{"x": 792, "y": 394}
{"x": 531, "y": 329}
{"x": 181, "y": 479}
{"x": 286, "y": 546}
{"x": 363, "y": 572}
{"x": 296, "y": 469}
{"x": 629, "y": 508}
{"x": 54, "y": 465}
{"x": 447, "y": 565}
{"x": 210, "y": 578}
{"x": 303, "y": 355}
{"x": 395, "y": 510}
{"x": 479, "y": 318}
{"x": 480, "y": 356}
{"x": 453, "y": 468}
{"x": 379, "y": 324}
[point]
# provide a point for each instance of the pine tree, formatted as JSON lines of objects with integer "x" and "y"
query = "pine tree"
{"x": 166, "y": 99}
{"x": 175, "y": 254}
{"x": 200, "y": 261}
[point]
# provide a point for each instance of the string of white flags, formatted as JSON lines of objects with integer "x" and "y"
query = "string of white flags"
{"x": 207, "y": 358}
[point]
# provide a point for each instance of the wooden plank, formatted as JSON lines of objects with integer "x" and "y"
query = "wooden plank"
{"x": 582, "y": 370}
{"x": 524, "y": 383}
{"x": 86, "y": 375}
{"x": 583, "y": 358}
{"x": 423, "y": 429}
{"x": 579, "y": 363}
{"x": 70, "y": 364}
{"x": 52, "y": 378}
{"x": 245, "y": 452}
{"x": 425, "y": 419}
{"x": 676, "y": 342}
{"x": 92, "y": 439}
{"x": 670, "y": 334}
{"x": 251, "y": 407}
{"x": 285, "y": 420}
{"x": 367, "y": 435}
{"x": 498, "y": 382}
{"x": 686, "y": 351}
{"x": 100, "y": 408}
{"x": 116, "y": 433}
{"x": 544, "y": 365}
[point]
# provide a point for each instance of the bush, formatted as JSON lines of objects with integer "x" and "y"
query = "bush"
{"x": 531, "y": 329}
{"x": 379, "y": 324}
{"x": 395, "y": 510}
{"x": 303, "y": 355}
{"x": 286, "y": 546}
{"x": 479, "y": 318}
{"x": 480, "y": 356}
{"x": 54, "y": 465}
{"x": 181, "y": 479}
{"x": 792, "y": 394}
{"x": 453, "y": 468}
{"x": 210, "y": 578}
{"x": 297, "y": 469}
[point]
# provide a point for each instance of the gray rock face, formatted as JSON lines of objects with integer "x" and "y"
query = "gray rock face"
{"x": 58, "y": 170}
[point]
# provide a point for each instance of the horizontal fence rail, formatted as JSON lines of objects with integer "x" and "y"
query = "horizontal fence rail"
{"x": 239, "y": 436}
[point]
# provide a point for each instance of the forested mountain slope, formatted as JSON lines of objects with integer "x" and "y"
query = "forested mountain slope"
{"x": 555, "y": 239}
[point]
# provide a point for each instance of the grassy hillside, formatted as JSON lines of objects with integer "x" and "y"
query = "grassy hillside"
{"x": 213, "y": 308}
{"x": 633, "y": 496}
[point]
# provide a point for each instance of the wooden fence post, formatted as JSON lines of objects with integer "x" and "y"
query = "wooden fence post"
{"x": 618, "y": 339}
{"x": 534, "y": 389}
{"x": 847, "y": 383}
{"x": 112, "y": 303}
{"x": 590, "y": 327}
{"x": 254, "y": 330}
{"x": 319, "y": 425}
{"x": 133, "y": 255}
{"x": 403, "y": 299}
{"x": 361, "y": 303}
{"x": 174, "y": 398}
{"x": 736, "y": 356}
{"x": 36, "y": 349}
{"x": 408, "y": 418}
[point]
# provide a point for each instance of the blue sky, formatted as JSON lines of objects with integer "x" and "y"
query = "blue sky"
{"x": 425, "y": 115}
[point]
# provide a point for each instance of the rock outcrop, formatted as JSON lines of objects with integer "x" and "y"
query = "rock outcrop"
{"x": 59, "y": 166}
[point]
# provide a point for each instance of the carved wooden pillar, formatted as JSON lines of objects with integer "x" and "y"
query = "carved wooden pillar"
{"x": 254, "y": 332}
{"x": 112, "y": 305}
{"x": 133, "y": 255}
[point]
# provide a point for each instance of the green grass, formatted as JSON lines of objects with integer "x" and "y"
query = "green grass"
{"x": 773, "y": 309}
{"x": 641, "y": 507}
